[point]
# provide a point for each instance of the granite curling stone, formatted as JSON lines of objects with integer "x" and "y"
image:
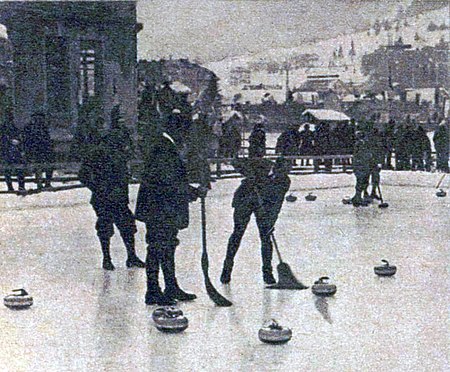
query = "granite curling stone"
{"x": 347, "y": 200}
{"x": 275, "y": 334}
{"x": 441, "y": 193}
{"x": 322, "y": 288}
{"x": 170, "y": 319}
{"x": 19, "y": 299}
{"x": 385, "y": 270}
{"x": 291, "y": 198}
{"x": 310, "y": 197}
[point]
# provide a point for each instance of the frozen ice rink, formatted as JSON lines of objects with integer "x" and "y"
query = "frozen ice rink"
{"x": 86, "y": 319}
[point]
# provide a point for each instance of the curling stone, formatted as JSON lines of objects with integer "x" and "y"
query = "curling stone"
{"x": 273, "y": 333}
{"x": 322, "y": 288}
{"x": 169, "y": 319}
{"x": 385, "y": 270}
{"x": 291, "y": 198}
{"x": 19, "y": 299}
{"x": 441, "y": 193}
{"x": 310, "y": 197}
{"x": 347, "y": 200}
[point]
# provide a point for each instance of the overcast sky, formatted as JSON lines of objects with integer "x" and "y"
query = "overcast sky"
{"x": 214, "y": 29}
{"x": 211, "y": 30}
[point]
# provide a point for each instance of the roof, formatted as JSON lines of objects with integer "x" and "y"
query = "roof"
{"x": 326, "y": 115}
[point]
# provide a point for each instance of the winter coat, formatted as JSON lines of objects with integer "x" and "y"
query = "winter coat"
{"x": 362, "y": 156}
{"x": 441, "y": 139}
{"x": 165, "y": 193}
{"x": 105, "y": 173}
{"x": 307, "y": 144}
{"x": 37, "y": 143}
{"x": 11, "y": 153}
{"x": 257, "y": 143}
{"x": 289, "y": 142}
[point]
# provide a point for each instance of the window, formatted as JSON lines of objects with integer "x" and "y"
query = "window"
{"x": 88, "y": 71}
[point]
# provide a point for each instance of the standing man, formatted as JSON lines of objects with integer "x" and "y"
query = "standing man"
{"x": 376, "y": 162}
{"x": 104, "y": 171}
{"x": 307, "y": 142}
{"x": 288, "y": 143}
{"x": 39, "y": 148}
{"x": 361, "y": 168}
{"x": 262, "y": 195}
{"x": 441, "y": 143}
{"x": 163, "y": 205}
{"x": 257, "y": 142}
{"x": 12, "y": 153}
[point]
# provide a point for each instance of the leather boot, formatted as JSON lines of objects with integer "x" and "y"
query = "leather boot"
{"x": 132, "y": 260}
{"x": 172, "y": 290}
{"x": 107, "y": 263}
{"x": 268, "y": 277}
{"x": 225, "y": 278}
{"x": 154, "y": 295}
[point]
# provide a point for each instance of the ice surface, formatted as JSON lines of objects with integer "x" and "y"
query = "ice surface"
{"x": 86, "y": 319}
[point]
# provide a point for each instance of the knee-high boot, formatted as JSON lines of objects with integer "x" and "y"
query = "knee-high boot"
{"x": 132, "y": 260}
{"x": 107, "y": 263}
{"x": 172, "y": 289}
{"x": 154, "y": 294}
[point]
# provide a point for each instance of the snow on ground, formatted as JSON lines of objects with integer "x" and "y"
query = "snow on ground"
{"x": 86, "y": 319}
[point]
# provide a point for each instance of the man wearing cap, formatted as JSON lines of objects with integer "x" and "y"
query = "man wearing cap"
{"x": 104, "y": 171}
{"x": 257, "y": 142}
{"x": 260, "y": 194}
{"x": 163, "y": 205}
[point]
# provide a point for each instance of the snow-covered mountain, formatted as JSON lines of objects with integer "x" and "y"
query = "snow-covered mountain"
{"x": 412, "y": 28}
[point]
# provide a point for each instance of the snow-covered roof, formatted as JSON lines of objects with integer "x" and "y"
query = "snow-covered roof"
{"x": 326, "y": 115}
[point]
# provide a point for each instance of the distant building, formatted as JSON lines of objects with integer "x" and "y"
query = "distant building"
{"x": 67, "y": 54}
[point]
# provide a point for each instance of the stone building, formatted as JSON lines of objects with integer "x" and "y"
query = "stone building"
{"x": 67, "y": 54}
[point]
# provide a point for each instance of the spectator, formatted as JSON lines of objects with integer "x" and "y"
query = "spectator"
{"x": 441, "y": 144}
{"x": 12, "y": 153}
{"x": 388, "y": 143}
{"x": 38, "y": 148}
{"x": 288, "y": 143}
{"x": 257, "y": 142}
{"x": 307, "y": 142}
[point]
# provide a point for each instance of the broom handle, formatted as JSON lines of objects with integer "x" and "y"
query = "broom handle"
{"x": 272, "y": 235}
{"x": 203, "y": 218}
{"x": 381, "y": 195}
{"x": 440, "y": 181}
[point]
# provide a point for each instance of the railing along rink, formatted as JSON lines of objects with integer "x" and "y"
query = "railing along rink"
{"x": 221, "y": 168}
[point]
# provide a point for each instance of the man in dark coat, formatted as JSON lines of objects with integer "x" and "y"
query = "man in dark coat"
{"x": 38, "y": 147}
{"x": 388, "y": 143}
{"x": 257, "y": 142}
{"x": 401, "y": 148}
{"x": 262, "y": 195}
{"x": 441, "y": 144}
{"x": 12, "y": 153}
{"x": 288, "y": 143}
{"x": 323, "y": 145}
{"x": 307, "y": 142}
{"x": 376, "y": 149}
{"x": 163, "y": 205}
{"x": 362, "y": 160}
{"x": 104, "y": 171}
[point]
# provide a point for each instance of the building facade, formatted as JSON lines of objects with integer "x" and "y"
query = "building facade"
{"x": 70, "y": 54}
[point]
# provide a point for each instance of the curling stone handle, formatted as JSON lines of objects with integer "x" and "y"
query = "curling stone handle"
{"x": 22, "y": 291}
{"x": 385, "y": 262}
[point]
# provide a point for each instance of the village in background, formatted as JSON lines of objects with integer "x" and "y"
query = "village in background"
{"x": 395, "y": 69}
